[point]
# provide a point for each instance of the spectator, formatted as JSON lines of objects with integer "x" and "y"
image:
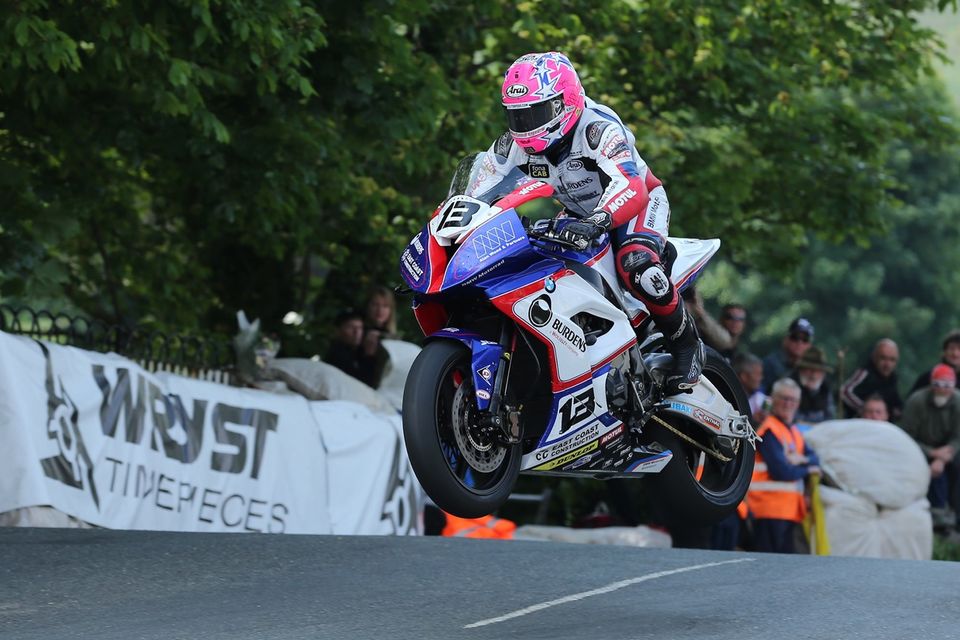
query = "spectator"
{"x": 878, "y": 376}
{"x": 931, "y": 416}
{"x": 749, "y": 370}
{"x": 875, "y": 408}
{"x": 776, "y": 498}
{"x": 816, "y": 400}
{"x": 355, "y": 353}
{"x": 381, "y": 312}
{"x": 722, "y": 336}
{"x": 778, "y": 364}
{"x": 951, "y": 357}
{"x": 733, "y": 317}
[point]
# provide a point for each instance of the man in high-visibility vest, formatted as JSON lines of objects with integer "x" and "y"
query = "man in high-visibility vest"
{"x": 776, "y": 497}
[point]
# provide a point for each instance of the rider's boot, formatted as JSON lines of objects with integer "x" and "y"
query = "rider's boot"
{"x": 684, "y": 343}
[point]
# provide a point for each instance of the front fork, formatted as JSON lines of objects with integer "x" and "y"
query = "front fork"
{"x": 503, "y": 424}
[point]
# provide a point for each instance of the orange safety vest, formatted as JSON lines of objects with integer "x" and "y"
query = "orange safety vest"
{"x": 742, "y": 510}
{"x": 777, "y": 499}
{"x": 485, "y": 527}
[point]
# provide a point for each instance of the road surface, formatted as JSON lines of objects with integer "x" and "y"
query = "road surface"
{"x": 67, "y": 583}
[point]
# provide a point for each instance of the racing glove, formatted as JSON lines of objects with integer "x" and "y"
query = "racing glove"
{"x": 581, "y": 232}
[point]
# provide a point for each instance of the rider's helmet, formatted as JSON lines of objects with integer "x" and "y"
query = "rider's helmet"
{"x": 543, "y": 98}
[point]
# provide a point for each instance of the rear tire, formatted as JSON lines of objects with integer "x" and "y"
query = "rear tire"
{"x": 695, "y": 488}
{"x": 464, "y": 472}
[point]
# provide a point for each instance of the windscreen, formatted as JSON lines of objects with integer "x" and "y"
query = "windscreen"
{"x": 477, "y": 176}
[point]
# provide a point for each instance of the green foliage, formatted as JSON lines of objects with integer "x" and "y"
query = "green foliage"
{"x": 946, "y": 548}
{"x": 166, "y": 163}
{"x": 901, "y": 285}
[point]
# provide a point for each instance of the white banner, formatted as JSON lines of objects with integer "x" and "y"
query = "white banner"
{"x": 372, "y": 487}
{"x": 97, "y": 437}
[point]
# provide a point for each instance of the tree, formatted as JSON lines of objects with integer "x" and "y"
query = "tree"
{"x": 165, "y": 164}
{"x": 901, "y": 281}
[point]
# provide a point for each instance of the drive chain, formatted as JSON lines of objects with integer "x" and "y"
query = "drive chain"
{"x": 712, "y": 452}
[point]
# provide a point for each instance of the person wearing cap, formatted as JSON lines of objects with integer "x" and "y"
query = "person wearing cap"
{"x": 951, "y": 357}
{"x": 356, "y": 352}
{"x": 781, "y": 362}
{"x": 877, "y": 376}
{"x": 931, "y": 416}
{"x": 816, "y": 399}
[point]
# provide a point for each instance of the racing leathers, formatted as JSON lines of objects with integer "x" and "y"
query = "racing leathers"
{"x": 600, "y": 178}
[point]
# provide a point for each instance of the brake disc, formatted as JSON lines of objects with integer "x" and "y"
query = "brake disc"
{"x": 478, "y": 449}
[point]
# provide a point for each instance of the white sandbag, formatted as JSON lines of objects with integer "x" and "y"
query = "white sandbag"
{"x": 316, "y": 380}
{"x": 907, "y": 533}
{"x": 402, "y": 355}
{"x": 873, "y": 459}
{"x": 857, "y": 527}
{"x": 628, "y": 536}
{"x": 41, "y": 517}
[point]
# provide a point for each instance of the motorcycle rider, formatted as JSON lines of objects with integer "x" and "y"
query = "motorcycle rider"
{"x": 583, "y": 150}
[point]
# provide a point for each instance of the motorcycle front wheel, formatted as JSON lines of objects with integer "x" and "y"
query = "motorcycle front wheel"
{"x": 463, "y": 470}
{"x": 697, "y": 488}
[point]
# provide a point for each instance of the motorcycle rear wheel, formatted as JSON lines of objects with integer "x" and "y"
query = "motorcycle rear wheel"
{"x": 465, "y": 472}
{"x": 696, "y": 488}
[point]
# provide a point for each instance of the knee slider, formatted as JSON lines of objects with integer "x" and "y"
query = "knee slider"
{"x": 654, "y": 282}
{"x": 641, "y": 268}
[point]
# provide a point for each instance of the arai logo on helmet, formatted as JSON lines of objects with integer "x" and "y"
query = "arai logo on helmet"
{"x": 516, "y": 91}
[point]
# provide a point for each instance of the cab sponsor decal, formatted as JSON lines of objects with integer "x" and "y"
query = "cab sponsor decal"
{"x": 539, "y": 171}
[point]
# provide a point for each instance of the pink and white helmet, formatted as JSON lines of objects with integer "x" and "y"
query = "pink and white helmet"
{"x": 543, "y": 98}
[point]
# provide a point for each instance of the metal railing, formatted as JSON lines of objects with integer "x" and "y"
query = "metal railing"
{"x": 204, "y": 358}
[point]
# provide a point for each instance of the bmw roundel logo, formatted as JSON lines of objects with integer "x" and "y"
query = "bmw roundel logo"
{"x": 540, "y": 311}
{"x": 549, "y": 285}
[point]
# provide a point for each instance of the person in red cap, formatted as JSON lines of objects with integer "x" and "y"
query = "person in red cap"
{"x": 931, "y": 417}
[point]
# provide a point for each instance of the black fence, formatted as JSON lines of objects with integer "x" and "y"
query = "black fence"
{"x": 206, "y": 358}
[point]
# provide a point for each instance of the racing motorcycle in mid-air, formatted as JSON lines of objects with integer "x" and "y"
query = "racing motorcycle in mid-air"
{"x": 537, "y": 360}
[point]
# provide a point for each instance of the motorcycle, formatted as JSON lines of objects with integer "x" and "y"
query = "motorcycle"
{"x": 538, "y": 361}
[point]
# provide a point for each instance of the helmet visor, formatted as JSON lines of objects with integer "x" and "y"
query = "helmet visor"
{"x": 531, "y": 117}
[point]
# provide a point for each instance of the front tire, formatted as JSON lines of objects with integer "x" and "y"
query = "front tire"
{"x": 696, "y": 488}
{"x": 462, "y": 470}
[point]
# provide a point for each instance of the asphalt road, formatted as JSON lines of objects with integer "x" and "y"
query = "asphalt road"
{"x": 59, "y": 583}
